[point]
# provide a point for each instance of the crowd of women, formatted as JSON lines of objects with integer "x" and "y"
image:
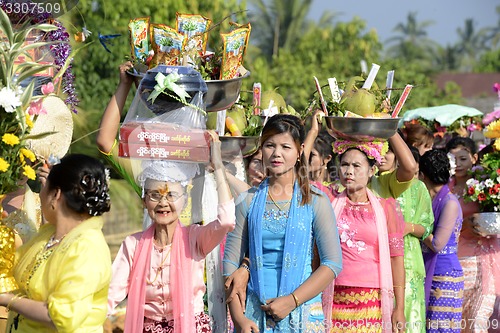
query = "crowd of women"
{"x": 326, "y": 235}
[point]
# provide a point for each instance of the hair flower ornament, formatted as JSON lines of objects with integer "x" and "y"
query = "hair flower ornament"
{"x": 373, "y": 149}
{"x": 453, "y": 163}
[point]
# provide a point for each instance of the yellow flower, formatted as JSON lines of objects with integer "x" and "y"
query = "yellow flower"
{"x": 3, "y": 165}
{"x": 28, "y": 154}
{"x": 29, "y": 122}
{"x": 496, "y": 145}
{"x": 10, "y": 139}
{"x": 493, "y": 130}
{"x": 29, "y": 172}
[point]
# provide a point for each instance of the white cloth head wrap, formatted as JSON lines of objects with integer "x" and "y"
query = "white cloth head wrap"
{"x": 168, "y": 171}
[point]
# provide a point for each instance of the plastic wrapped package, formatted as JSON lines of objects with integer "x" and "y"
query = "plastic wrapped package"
{"x": 166, "y": 121}
{"x": 169, "y": 126}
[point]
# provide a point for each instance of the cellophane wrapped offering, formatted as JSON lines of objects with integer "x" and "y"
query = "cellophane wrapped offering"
{"x": 139, "y": 38}
{"x": 167, "y": 45}
{"x": 169, "y": 126}
{"x": 235, "y": 44}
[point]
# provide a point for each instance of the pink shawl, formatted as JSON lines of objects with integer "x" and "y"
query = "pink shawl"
{"x": 386, "y": 289}
{"x": 180, "y": 268}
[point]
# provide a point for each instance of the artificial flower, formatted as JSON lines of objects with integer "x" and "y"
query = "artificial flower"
{"x": 496, "y": 87}
{"x": 36, "y": 108}
{"x": 484, "y": 186}
{"x": 60, "y": 49}
{"x": 493, "y": 130}
{"x": 496, "y": 145}
{"x": 4, "y": 165}
{"x": 10, "y": 139}
{"x": 28, "y": 154}
{"x": 29, "y": 122}
{"x": 29, "y": 172}
{"x": 9, "y": 100}
{"x": 48, "y": 88}
{"x": 373, "y": 149}
{"x": 453, "y": 163}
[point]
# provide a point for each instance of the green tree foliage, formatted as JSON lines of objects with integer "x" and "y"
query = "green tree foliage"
{"x": 278, "y": 24}
{"x": 470, "y": 45}
{"x": 411, "y": 42}
{"x": 488, "y": 62}
{"x": 322, "y": 51}
{"x": 493, "y": 33}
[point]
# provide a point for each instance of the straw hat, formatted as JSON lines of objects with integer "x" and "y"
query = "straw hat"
{"x": 59, "y": 120}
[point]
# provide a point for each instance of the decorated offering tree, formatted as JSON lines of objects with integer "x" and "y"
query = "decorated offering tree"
{"x": 19, "y": 107}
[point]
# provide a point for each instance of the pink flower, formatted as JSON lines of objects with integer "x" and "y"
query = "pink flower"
{"x": 488, "y": 118}
{"x": 496, "y": 87}
{"x": 36, "y": 108}
{"x": 47, "y": 88}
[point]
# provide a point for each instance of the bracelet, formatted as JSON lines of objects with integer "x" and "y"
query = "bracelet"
{"x": 398, "y": 286}
{"x": 412, "y": 228}
{"x": 296, "y": 300}
{"x": 11, "y": 302}
{"x": 245, "y": 266}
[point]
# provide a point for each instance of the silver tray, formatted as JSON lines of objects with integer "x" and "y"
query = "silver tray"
{"x": 232, "y": 146}
{"x": 487, "y": 223}
{"x": 222, "y": 94}
{"x": 361, "y": 129}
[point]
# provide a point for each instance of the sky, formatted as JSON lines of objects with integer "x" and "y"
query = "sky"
{"x": 384, "y": 15}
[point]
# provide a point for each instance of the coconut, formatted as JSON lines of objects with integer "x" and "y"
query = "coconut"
{"x": 237, "y": 113}
{"x": 361, "y": 102}
{"x": 278, "y": 100}
{"x": 212, "y": 120}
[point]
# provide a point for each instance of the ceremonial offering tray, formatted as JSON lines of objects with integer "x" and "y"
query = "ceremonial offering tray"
{"x": 232, "y": 145}
{"x": 222, "y": 94}
{"x": 361, "y": 129}
{"x": 487, "y": 223}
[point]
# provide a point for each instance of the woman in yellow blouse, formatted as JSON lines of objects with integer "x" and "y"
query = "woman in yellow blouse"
{"x": 64, "y": 272}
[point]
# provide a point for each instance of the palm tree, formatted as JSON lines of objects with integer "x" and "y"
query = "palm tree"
{"x": 494, "y": 32}
{"x": 412, "y": 42}
{"x": 278, "y": 24}
{"x": 470, "y": 45}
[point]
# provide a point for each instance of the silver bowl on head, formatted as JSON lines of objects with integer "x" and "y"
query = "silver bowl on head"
{"x": 222, "y": 94}
{"x": 487, "y": 223}
{"x": 232, "y": 146}
{"x": 361, "y": 129}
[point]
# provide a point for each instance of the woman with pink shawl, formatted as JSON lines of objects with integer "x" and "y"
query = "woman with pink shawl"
{"x": 160, "y": 270}
{"x": 371, "y": 237}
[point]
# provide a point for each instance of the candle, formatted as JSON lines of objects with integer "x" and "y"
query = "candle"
{"x": 388, "y": 83}
{"x": 334, "y": 88}
{"x": 371, "y": 77}
{"x": 402, "y": 100}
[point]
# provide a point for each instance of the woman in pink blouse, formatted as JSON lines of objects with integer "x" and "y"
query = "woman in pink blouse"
{"x": 371, "y": 236}
{"x": 160, "y": 270}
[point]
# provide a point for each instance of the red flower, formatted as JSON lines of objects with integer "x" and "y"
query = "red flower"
{"x": 498, "y": 172}
{"x": 493, "y": 190}
{"x": 496, "y": 187}
{"x": 471, "y": 190}
{"x": 481, "y": 196}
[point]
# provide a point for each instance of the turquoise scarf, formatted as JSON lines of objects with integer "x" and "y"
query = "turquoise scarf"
{"x": 297, "y": 243}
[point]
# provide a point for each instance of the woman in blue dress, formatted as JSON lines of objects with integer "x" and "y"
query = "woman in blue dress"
{"x": 277, "y": 225}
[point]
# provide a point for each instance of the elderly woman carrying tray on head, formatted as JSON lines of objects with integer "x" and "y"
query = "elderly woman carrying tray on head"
{"x": 107, "y": 143}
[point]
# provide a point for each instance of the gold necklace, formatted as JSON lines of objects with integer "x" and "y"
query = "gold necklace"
{"x": 160, "y": 268}
{"x": 274, "y": 202}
